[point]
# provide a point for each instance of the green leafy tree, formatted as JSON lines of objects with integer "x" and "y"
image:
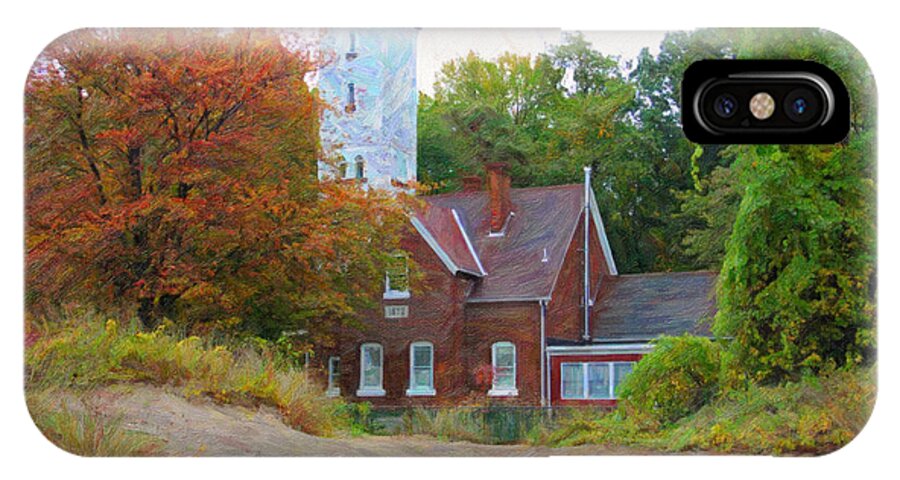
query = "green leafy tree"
{"x": 707, "y": 215}
{"x": 796, "y": 292}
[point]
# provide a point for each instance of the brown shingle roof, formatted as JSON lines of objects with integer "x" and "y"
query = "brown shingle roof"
{"x": 443, "y": 226}
{"x": 645, "y": 306}
{"x": 544, "y": 218}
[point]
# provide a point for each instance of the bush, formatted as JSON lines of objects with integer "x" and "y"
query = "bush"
{"x": 678, "y": 377}
{"x": 92, "y": 353}
{"x": 357, "y": 418}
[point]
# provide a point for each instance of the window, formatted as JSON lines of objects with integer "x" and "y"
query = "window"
{"x": 592, "y": 380}
{"x": 572, "y": 380}
{"x": 344, "y": 169}
{"x": 371, "y": 370}
{"x": 621, "y": 370}
{"x": 598, "y": 381}
{"x": 351, "y": 98}
{"x": 503, "y": 363}
{"x": 360, "y": 168}
{"x": 334, "y": 377}
{"x": 421, "y": 369}
{"x": 351, "y": 53}
{"x": 396, "y": 311}
{"x": 396, "y": 281}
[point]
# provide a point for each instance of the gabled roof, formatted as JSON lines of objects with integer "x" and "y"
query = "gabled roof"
{"x": 441, "y": 229}
{"x": 543, "y": 223}
{"x": 644, "y": 306}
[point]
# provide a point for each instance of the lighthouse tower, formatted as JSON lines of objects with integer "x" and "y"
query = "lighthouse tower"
{"x": 368, "y": 133}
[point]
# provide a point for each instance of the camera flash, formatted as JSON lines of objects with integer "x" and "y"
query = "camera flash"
{"x": 762, "y": 105}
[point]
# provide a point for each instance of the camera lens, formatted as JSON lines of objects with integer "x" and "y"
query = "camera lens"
{"x": 725, "y": 105}
{"x": 801, "y": 105}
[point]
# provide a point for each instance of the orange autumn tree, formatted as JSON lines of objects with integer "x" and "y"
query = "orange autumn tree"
{"x": 173, "y": 175}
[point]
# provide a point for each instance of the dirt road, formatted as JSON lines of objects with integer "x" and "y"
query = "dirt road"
{"x": 199, "y": 427}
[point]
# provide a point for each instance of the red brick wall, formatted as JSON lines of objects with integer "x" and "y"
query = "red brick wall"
{"x": 565, "y": 316}
{"x": 435, "y": 315}
{"x": 519, "y": 323}
{"x": 555, "y": 375}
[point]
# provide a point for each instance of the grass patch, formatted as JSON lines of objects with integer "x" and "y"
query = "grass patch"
{"x": 486, "y": 425}
{"x": 93, "y": 353}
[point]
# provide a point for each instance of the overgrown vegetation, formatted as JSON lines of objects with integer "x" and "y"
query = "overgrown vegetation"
{"x": 815, "y": 415}
{"x": 89, "y": 352}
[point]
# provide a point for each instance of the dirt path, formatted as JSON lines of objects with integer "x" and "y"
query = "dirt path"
{"x": 201, "y": 428}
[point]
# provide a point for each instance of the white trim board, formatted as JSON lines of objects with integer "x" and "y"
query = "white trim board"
{"x": 615, "y": 348}
{"x": 604, "y": 242}
{"x": 468, "y": 242}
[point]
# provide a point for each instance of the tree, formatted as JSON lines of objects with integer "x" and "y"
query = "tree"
{"x": 796, "y": 292}
{"x": 172, "y": 175}
{"x": 494, "y": 111}
{"x": 707, "y": 215}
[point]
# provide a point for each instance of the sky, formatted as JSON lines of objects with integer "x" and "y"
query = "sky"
{"x": 437, "y": 46}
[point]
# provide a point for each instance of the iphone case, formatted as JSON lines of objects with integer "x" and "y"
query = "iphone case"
{"x": 437, "y": 242}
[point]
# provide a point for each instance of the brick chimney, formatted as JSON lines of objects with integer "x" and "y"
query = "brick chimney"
{"x": 498, "y": 186}
{"x": 472, "y": 183}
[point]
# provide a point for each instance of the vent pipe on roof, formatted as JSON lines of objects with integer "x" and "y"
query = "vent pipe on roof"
{"x": 587, "y": 254}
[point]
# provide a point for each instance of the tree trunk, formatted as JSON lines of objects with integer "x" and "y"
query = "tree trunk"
{"x": 134, "y": 170}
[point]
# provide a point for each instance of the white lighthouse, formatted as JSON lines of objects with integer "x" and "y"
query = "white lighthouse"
{"x": 368, "y": 131}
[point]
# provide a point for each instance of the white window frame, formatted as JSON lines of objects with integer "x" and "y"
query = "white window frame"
{"x": 370, "y": 390}
{"x": 334, "y": 389}
{"x": 504, "y": 391}
{"x": 585, "y": 387}
{"x": 391, "y": 294}
{"x": 420, "y": 391}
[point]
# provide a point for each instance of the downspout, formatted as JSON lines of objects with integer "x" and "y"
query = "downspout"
{"x": 543, "y": 304}
{"x": 587, "y": 254}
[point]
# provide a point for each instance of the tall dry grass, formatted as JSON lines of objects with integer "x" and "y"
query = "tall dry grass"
{"x": 90, "y": 353}
{"x": 84, "y": 431}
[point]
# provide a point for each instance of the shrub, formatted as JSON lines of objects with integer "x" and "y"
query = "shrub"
{"x": 678, "y": 377}
{"x": 357, "y": 418}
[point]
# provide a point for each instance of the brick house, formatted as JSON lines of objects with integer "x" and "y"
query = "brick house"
{"x": 519, "y": 302}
